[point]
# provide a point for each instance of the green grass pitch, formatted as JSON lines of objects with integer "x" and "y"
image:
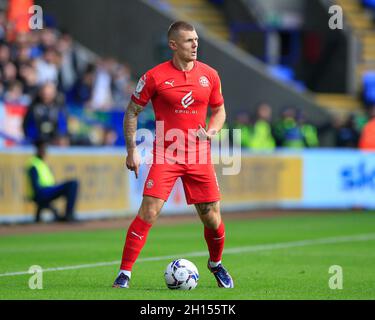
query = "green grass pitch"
{"x": 268, "y": 259}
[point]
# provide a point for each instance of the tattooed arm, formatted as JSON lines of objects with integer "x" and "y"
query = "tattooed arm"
{"x": 130, "y": 128}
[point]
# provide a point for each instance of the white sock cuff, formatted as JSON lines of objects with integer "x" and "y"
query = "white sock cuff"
{"x": 126, "y": 272}
{"x": 214, "y": 264}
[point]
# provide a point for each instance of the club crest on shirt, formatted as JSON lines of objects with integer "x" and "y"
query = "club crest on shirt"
{"x": 204, "y": 81}
{"x": 138, "y": 89}
{"x": 150, "y": 184}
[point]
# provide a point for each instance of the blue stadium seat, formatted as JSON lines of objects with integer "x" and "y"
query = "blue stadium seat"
{"x": 369, "y": 3}
{"x": 281, "y": 72}
{"x": 286, "y": 75}
{"x": 369, "y": 87}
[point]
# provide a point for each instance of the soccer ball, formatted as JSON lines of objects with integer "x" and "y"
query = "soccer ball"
{"x": 181, "y": 274}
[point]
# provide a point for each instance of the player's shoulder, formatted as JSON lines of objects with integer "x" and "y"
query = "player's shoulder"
{"x": 205, "y": 67}
{"x": 159, "y": 67}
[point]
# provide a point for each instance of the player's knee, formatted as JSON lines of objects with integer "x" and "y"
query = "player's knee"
{"x": 148, "y": 214}
{"x": 212, "y": 221}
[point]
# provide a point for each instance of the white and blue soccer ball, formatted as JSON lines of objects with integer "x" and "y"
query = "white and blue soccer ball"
{"x": 181, "y": 274}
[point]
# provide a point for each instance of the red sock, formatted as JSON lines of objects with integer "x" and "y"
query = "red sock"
{"x": 135, "y": 240}
{"x": 215, "y": 242}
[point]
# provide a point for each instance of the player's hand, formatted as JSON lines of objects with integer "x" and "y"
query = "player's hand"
{"x": 202, "y": 133}
{"x": 133, "y": 161}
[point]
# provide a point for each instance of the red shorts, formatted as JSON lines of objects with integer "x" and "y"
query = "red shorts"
{"x": 199, "y": 181}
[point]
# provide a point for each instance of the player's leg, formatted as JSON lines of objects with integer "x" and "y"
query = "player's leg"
{"x": 202, "y": 190}
{"x": 214, "y": 230}
{"x": 136, "y": 238}
{"x": 158, "y": 186}
{"x": 138, "y": 230}
{"x": 214, "y": 234}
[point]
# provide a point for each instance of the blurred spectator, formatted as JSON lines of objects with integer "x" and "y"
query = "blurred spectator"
{"x": 1, "y": 89}
{"x": 4, "y": 55}
{"x": 48, "y": 39}
{"x": 29, "y": 79}
{"x": 309, "y": 131}
{"x": 109, "y": 137}
{"x": 82, "y": 90}
{"x": 2, "y": 25}
{"x": 35, "y": 49}
{"x": 287, "y": 131}
{"x": 367, "y": 138}
{"x": 78, "y": 132}
{"x": 47, "y": 67}
{"x": 46, "y": 118}
{"x": 120, "y": 85}
{"x": 23, "y": 56}
{"x": 71, "y": 64}
{"x": 347, "y": 135}
{"x": 262, "y": 136}
{"x": 96, "y": 135}
{"x": 9, "y": 74}
{"x": 102, "y": 92}
{"x": 14, "y": 95}
{"x": 22, "y": 40}
{"x": 242, "y": 122}
{"x": 41, "y": 187}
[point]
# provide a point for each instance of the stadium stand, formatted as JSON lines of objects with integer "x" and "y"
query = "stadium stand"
{"x": 90, "y": 92}
{"x": 93, "y": 91}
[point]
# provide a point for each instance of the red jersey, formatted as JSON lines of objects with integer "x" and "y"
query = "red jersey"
{"x": 180, "y": 98}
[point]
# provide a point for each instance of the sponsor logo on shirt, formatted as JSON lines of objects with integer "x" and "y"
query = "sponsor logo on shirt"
{"x": 204, "y": 81}
{"x": 187, "y": 99}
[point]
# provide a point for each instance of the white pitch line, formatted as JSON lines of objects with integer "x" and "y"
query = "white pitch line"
{"x": 254, "y": 248}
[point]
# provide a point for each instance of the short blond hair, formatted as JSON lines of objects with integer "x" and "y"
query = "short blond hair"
{"x": 176, "y": 26}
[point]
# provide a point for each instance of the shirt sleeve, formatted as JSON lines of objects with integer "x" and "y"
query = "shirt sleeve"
{"x": 144, "y": 90}
{"x": 216, "y": 97}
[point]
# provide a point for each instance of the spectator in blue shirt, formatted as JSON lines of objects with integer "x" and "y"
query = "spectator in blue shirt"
{"x": 46, "y": 118}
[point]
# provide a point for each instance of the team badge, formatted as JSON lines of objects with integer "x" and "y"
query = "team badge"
{"x": 204, "y": 81}
{"x": 150, "y": 184}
